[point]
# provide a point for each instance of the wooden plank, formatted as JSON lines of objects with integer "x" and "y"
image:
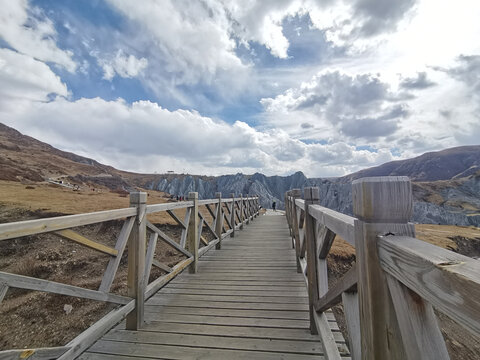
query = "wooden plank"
{"x": 237, "y": 331}
{"x": 136, "y": 261}
{"x": 220, "y": 303}
{"x": 40, "y": 226}
{"x": 248, "y": 313}
{"x": 176, "y": 218}
{"x": 382, "y": 205}
{"x": 82, "y": 240}
{"x": 237, "y": 298}
{"x": 167, "y": 239}
{"x": 352, "y": 320}
{"x": 435, "y": 274}
{"x": 29, "y": 283}
{"x": 311, "y": 197}
{"x": 421, "y": 334}
{"x": 168, "y": 206}
{"x": 186, "y": 220}
{"x": 297, "y": 294}
{"x": 157, "y": 284}
{"x": 212, "y": 342}
{"x": 209, "y": 227}
{"x": 338, "y": 223}
{"x": 219, "y": 221}
{"x": 231, "y": 320}
{"x": 34, "y": 354}
{"x": 162, "y": 266}
{"x": 152, "y": 244}
{"x": 114, "y": 262}
{"x": 300, "y": 204}
{"x": 331, "y": 349}
{"x": 325, "y": 239}
{"x": 192, "y": 236}
{"x": 83, "y": 341}
{"x": 207, "y": 248}
{"x": 207, "y": 202}
{"x": 348, "y": 283}
{"x": 179, "y": 352}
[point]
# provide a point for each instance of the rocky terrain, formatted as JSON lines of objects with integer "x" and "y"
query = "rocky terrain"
{"x": 446, "y": 183}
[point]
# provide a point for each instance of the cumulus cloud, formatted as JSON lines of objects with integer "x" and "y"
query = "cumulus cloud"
{"x": 417, "y": 83}
{"x": 466, "y": 70}
{"x": 122, "y": 65}
{"x": 23, "y": 77}
{"x": 360, "y": 106}
{"x": 29, "y": 32}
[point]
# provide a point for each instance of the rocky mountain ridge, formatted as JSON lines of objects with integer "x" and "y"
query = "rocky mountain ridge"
{"x": 455, "y": 200}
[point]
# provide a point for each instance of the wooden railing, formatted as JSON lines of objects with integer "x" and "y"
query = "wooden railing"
{"x": 389, "y": 292}
{"x": 221, "y": 218}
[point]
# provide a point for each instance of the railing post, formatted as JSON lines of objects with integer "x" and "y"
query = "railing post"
{"x": 136, "y": 261}
{"x": 241, "y": 212}
{"x": 311, "y": 198}
{"x": 295, "y": 194}
{"x": 232, "y": 216}
{"x": 383, "y": 205}
{"x": 192, "y": 232}
{"x": 219, "y": 222}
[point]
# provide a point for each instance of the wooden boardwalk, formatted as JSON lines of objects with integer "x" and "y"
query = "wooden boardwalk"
{"x": 247, "y": 301}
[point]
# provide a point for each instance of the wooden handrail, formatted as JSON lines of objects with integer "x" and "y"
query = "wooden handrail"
{"x": 241, "y": 210}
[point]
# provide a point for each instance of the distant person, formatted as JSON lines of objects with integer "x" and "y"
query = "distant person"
{"x": 274, "y": 206}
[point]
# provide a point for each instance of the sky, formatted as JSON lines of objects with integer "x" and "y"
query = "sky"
{"x": 216, "y": 87}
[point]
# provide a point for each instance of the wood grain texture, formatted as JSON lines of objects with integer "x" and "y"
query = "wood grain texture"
{"x": 352, "y": 320}
{"x": 136, "y": 261}
{"x": 40, "y": 226}
{"x": 347, "y": 283}
{"x": 339, "y": 223}
{"x": 34, "y": 354}
{"x": 385, "y": 206}
{"x": 29, "y": 283}
{"x": 421, "y": 335}
{"x": 449, "y": 281}
{"x": 114, "y": 262}
{"x": 82, "y": 240}
{"x": 192, "y": 232}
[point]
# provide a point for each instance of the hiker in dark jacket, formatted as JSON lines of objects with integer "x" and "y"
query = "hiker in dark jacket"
{"x": 274, "y": 206}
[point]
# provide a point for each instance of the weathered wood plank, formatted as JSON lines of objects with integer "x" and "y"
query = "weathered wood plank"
{"x": 192, "y": 236}
{"x": 168, "y": 206}
{"x": 237, "y": 298}
{"x": 152, "y": 244}
{"x": 3, "y": 291}
{"x": 162, "y": 266}
{"x": 82, "y": 240}
{"x": 334, "y": 295}
{"x": 382, "y": 205}
{"x": 186, "y": 220}
{"x": 167, "y": 239}
{"x": 177, "y": 219}
{"x": 114, "y": 262}
{"x": 180, "y": 352}
{"x": 29, "y": 283}
{"x": 352, "y": 319}
{"x": 212, "y": 342}
{"x": 157, "y": 284}
{"x": 421, "y": 335}
{"x": 96, "y": 331}
{"x": 338, "y": 223}
{"x": 136, "y": 261}
{"x": 34, "y": 354}
{"x": 40, "y": 226}
{"x": 449, "y": 281}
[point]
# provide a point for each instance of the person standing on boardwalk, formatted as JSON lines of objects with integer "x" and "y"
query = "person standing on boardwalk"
{"x": 274, "y": 206}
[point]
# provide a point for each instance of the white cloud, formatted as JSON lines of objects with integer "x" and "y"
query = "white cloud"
{"x": 146, "y": 137}
{"x": 122, "y": 65}
{"x": 23, "y": 77}
{"x": 28, "y": 31}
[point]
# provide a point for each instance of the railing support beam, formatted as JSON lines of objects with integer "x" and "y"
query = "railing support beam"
{"x": 136, "y": 261}
{"x": 192, "y": 232}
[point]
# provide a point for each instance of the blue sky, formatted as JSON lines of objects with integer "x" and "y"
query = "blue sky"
{"x": 222, "y": 86}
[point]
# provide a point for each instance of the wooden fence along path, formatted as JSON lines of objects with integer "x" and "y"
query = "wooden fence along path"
{"x": 247, "y": 299}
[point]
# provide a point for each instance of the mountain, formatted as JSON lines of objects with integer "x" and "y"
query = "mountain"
{"x": 446, "y": 184}
{"x": 457, "y": 162}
